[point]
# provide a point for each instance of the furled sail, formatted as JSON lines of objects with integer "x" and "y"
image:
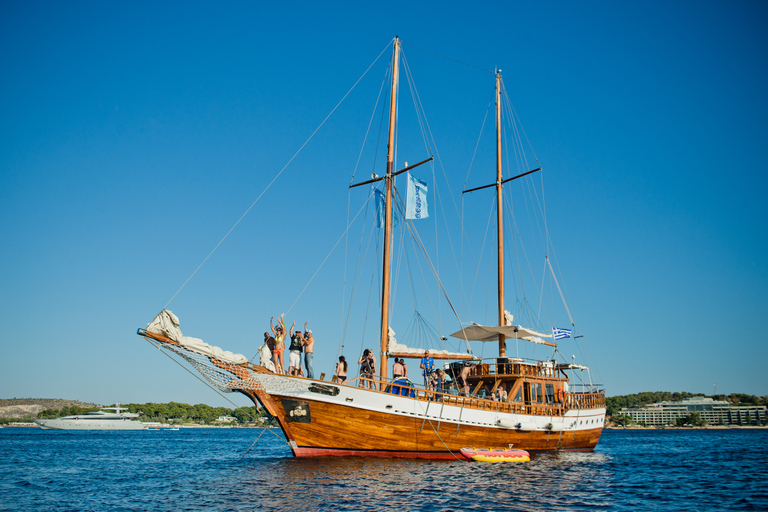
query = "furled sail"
{"x": 477, "y": 332}
{"x": 398, "y": 349}
{"x": 167, "y": 324}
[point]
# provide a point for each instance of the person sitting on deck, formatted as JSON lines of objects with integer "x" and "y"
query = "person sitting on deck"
{"x": 501, "y": 393}
{"x": 427, "y": 365}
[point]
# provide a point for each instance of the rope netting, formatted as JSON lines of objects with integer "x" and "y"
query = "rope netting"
{"x": 224, "y": 376}
{"x": 228, "y": 377}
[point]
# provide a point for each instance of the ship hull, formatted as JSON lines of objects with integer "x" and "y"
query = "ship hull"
{"x": 359, "y": 422}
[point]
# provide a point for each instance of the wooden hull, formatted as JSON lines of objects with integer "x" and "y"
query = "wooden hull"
{"x": 326, "y": 428}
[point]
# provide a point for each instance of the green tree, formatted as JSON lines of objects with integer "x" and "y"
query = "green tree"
{"x": 622, "y": 419}
{"x": 693, "y": 418}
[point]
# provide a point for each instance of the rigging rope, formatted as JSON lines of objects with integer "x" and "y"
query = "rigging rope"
{"x": 276, "y": 176}
{"x": 326, "y": 257}
{"x": 449, "y": 58}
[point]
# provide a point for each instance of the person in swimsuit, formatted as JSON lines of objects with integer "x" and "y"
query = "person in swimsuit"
{"x": 341, "y": 370}
{"x": 279, "y": 334}
{"x": 397, "y": 369}
{"x": 463, "y": 380}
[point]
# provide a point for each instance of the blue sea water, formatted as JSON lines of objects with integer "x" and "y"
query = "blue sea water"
{"x": 212, "y": 469}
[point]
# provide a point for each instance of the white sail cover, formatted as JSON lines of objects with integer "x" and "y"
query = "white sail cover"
{"x": 265, "y": 356}
{"x": 167, "y": 324}
{"x": 477, "y": 332}
{"x": 393, "y": 347}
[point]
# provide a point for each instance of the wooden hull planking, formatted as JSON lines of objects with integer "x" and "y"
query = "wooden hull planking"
{"x": 339, "y": 430}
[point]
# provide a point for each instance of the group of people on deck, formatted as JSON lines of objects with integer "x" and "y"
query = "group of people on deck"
{"x": 300, "y": 342}
{"x": 436, "y": 381}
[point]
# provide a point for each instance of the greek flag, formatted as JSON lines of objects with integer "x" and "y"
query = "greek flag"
{"x": 559, "y": 334}
{"x": 416, "y": 199}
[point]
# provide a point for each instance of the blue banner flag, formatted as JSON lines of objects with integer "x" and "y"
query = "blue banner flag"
{"x": 416, "y": 199}
{"x": 380, "y": 207}
{"x": 559, "y": 334}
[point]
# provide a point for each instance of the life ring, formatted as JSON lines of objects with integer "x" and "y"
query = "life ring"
{"x": 560, "y": 395}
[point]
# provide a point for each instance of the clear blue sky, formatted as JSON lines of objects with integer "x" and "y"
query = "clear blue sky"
{"x": 133, "y": 135}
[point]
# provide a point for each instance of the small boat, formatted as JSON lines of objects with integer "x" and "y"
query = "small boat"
{"x": 495, "y": 454}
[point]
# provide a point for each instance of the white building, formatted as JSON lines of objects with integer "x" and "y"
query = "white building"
{"x": 714, "y": 412}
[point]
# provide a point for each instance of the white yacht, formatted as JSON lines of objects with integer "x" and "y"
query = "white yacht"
{"x": 96, "y": 420}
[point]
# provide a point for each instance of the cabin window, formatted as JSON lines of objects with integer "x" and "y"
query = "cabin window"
{"x": 550, "y": 393}
{"x": 539, "y": 395}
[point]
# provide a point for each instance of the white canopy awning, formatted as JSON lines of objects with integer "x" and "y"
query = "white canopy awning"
{"x": 477, "y": 332}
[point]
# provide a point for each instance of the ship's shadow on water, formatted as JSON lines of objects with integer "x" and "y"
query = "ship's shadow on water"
{"x": 214, "y": 470}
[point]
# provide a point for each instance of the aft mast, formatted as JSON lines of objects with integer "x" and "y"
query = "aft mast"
{"x": 388, "y": 214}
{"x": 463, "y": 334}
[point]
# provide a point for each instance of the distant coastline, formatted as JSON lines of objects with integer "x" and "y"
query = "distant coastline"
{"x": 19, "y": 412}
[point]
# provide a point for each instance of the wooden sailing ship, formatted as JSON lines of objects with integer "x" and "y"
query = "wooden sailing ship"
{"x": 542, "y": 411}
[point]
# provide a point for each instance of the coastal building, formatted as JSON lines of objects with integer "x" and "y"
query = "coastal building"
{"x": 714, "y": 412}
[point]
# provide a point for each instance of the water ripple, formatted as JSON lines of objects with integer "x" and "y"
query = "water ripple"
{"x": 203, "y": 469}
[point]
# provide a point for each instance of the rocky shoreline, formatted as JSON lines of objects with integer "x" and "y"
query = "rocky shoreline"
{"x": 30, "y": 407}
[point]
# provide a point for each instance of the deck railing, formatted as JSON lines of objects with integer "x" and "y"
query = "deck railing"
{"x": 571, "y": 400}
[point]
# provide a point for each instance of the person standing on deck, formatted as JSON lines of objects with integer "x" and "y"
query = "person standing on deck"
{"x": 397, "y": 369}
{"x": 341, "y": 370}
{"x": 439, "y": 384}
{"x": 373, "y": 362}
{"x": 294, "y": 358}
{"x": 267, "y": 352}
{"x": 427, "y": 365}
{"x": 463, "y": 384}
{"x": 367, "y": 368}
{"x": 309, "y": 351}
{"x": 271, "y": 343}
{"x": 279, "y": 334}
